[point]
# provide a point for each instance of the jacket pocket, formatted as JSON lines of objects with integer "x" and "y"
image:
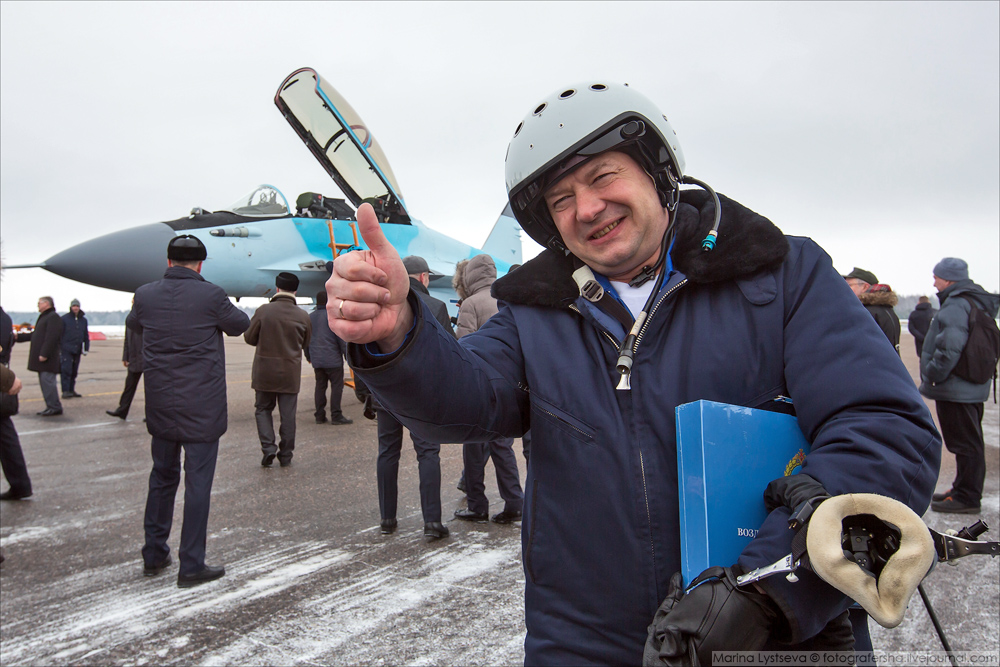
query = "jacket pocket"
{"x": 562, "y": 420}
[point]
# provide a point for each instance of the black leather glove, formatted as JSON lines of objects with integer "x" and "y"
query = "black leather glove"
{"x": 715, "y": 616}
{"x": 792, "y": 491}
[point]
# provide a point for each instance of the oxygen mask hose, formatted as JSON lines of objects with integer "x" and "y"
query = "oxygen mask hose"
{"x": 627, "y": 350}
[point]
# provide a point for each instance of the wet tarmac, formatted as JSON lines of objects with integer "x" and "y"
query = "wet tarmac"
{"x": 309, "y": 578}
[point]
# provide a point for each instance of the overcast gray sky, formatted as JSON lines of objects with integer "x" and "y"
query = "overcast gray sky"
{"x": 873, "y": 128}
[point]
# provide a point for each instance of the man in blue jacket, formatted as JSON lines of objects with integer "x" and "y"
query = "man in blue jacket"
{"x": 958, "y": 402}
{"x": 74, "y": 343}
{"x": 628, "y": 313}
{"x": 181, "y": 319}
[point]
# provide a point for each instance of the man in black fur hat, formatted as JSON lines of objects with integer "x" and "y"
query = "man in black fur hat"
{"x": 181, "y": 319}
{"x": 645, "y": 298}
{"x": 279, "y": 330}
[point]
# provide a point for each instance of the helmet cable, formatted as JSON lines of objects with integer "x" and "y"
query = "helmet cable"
{"x": 627, "y": 349}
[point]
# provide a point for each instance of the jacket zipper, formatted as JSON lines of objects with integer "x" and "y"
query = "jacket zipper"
{"x": 649, "y": 518}
{"x": 649, "y": 317}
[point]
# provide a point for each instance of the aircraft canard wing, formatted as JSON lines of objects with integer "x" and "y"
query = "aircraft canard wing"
{"x": 338, "y": 137}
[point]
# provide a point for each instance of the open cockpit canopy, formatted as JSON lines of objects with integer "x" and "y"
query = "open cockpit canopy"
{"x": 338, "y": 137}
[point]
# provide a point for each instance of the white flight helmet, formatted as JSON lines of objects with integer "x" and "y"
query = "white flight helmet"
{"x": 581, "y": 121}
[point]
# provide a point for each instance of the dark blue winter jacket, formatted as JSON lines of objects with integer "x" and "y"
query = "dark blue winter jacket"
{"x": 75, "y": 335}
{"x": 325, "y": 349}
{"x": 742, "y": 324}
{"x": 182, "y": 319}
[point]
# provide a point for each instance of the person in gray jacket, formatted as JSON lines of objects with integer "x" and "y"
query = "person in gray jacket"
{"x": 959, "y": 403}
{"x": 182, "y": 318}
{"x": 326, "y": 354}
{"x": 477, "y": 308}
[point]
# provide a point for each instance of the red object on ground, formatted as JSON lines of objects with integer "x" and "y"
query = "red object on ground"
{"x": 96, "y": 335}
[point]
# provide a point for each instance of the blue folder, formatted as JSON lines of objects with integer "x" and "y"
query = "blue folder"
{"x": 726, "y": 455}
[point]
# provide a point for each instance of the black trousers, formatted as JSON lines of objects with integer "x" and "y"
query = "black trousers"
{"x": 128, "y": 393}
{"x": 199, "y": 473}
{"x": 335, "y": 378}
{"x": 69, "y": 366}
{"x": 475, "y": 455}
{"x": 962, "y": 430}
{"x": 263, "y": 407}
{"x": 390, "y": 444}
{"x": 12, "y": 459}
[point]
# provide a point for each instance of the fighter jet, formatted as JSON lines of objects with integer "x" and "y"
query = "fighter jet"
{"x": 260, "y": 235}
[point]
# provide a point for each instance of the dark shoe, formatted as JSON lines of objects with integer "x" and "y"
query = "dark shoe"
{"x": 941, "y": 496}
{"x": 950, "y": 506}
{"x": 435, "y": 530}
{"x": 267, "y": 460}
{"x": 388, "y": 526}
{"x": 208, "y": 574}
{"x": 11, "y": 494}
{"x": 320, "y": 420}
{"x": 76, "y": 395}
{"x": 341, "y": 421}
{"x": 285, "y": 463}
{"x": 506, "y": 517}
{"x": 67, "y": 394}
{"x": 469, "y": 515}
{"x": 116, "y": 413}
{"x": 153, "y": 570}
{"x": 50, "y": 412}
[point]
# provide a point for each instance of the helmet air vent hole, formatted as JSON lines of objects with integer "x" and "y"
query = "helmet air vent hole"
{"x": 598, "y": 87}
{"x": 560, "y": 124}
{"x": 540, "y": 108}
{"x": 567, "y": 94}
{"x": 518, "y": 130}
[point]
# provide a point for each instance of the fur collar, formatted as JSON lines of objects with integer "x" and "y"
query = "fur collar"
{"x": 747, "y": 243}
{"x": 881, "y": 298}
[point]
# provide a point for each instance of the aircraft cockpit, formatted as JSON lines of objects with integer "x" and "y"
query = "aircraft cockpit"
{"x": 264, "y": 201}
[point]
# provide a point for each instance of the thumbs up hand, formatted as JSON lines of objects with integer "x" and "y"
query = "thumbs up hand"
{"x": 366, "y": 294}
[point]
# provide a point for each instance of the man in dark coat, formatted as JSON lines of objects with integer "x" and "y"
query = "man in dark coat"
{"x": 326, "y": 354}
{"x": 43, "y": 354}
{"x": 959, "y": 402}
{"x": 132, "y": 361}
{"x": 879, "y": 300}
{"x": 75, "y": 343}
{"x": 390, "y": 433}
{"x": 279, "y": 330}
{"x": 11, "y": 456}
{"x": 919, "y": 322}
{"x": 7, "y": 337}
{"x": 182, "y": 319}
{"x": 647, "y": 296}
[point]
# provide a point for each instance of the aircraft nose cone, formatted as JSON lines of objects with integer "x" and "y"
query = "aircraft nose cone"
{"x": 122, "y": 260}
